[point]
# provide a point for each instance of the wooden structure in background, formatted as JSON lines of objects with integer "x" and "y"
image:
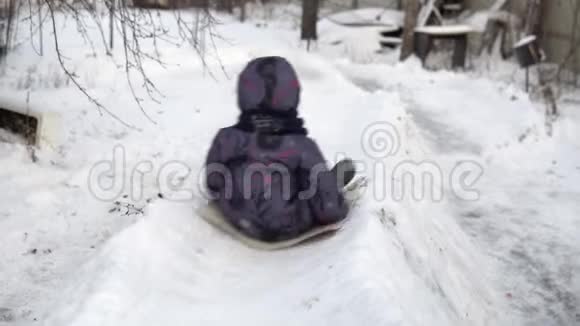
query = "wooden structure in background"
{"x": 37, "y": 128}
{"x": 557, "y": 34}
{"x": 25, "y": 126}
{"x": 426, "y": 35}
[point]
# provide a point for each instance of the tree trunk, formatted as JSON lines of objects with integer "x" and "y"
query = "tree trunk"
{"x": 242, "y": 10}
{"x": 222, "y": 5}
{"x": 354, "y": 4}
{"x": 412, "y": 8}
{"x": 111, "y": 25}
{"x": 309, "y": 20}
{"x": 40, "y": 34}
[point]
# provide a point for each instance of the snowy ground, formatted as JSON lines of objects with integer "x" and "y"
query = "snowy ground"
{"x": 527, "y": 216}
{"x": 70, "y": 258}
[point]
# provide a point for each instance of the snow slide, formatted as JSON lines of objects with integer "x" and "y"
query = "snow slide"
{"x": 172, "y": 268}
{"x": 395, "y": 263}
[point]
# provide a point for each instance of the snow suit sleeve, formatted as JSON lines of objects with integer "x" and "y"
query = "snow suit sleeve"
{"x": 219, "y": 153}
{"x": 325, "y": 198}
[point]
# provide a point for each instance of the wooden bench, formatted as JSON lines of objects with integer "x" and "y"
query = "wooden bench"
{"x": 424, "y": 37}
{"x": 37, "y": 128}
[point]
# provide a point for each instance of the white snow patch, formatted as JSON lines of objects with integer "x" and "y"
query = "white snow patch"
{"x": 367, "y": 16}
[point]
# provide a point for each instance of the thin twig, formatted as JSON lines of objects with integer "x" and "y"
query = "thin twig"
{"x": 72, "y": 76}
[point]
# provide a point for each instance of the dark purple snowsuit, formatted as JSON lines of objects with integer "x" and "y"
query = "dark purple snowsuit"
{"x": 269, "y": 178}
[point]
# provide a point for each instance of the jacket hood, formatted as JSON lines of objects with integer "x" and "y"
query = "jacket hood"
{"x": 268, "y": 83}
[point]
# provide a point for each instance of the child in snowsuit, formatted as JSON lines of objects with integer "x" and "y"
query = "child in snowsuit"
{"x": 268, "y": 177}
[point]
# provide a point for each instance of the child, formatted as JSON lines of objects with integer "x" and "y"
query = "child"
{"x": 268, "y": 177}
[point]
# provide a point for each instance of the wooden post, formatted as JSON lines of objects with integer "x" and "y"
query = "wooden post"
{"x": 533, "y": 26}
{"x": 527, "y": 79}
{"x": 422, "y": 46}
{"x": 309, "y": 20}
{"x": 460, "y": 51}
{"x": 412, "y": 8}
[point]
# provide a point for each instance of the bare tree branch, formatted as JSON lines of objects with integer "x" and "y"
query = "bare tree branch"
{"x": 141, "y": 31}
{"x": 73, "y": 77}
